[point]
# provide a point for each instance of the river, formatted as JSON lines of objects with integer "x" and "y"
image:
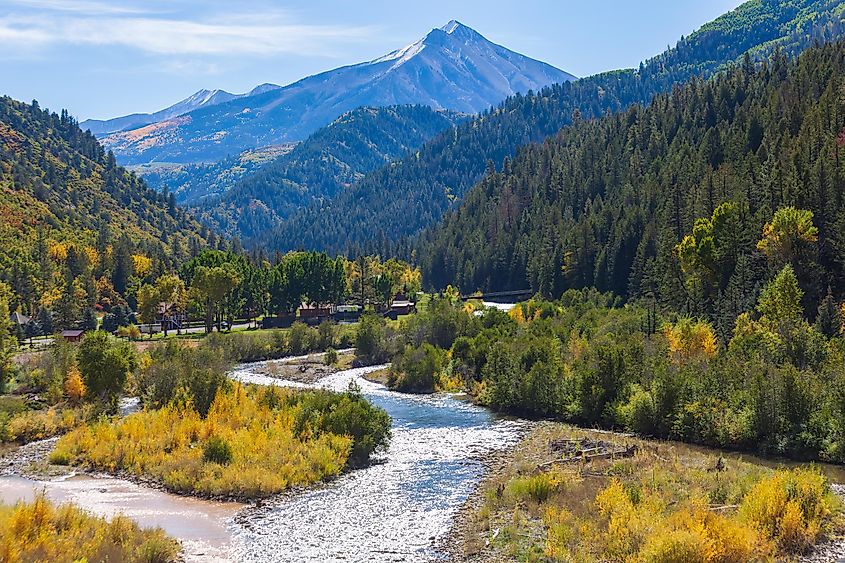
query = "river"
{"x": 398, "y": 509}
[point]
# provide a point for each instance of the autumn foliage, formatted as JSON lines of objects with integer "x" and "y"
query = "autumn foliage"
{"x": 41, "y": 531}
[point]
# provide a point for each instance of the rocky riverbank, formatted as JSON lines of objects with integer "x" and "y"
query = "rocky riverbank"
{"x": 31, "y": 460}
{"x": 834, "y": 548}
{"x": 305, "y": 369}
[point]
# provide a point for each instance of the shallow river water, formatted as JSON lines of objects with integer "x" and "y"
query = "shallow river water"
{"x": 397, "y": 510}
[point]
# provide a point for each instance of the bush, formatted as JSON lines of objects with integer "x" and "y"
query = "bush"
{"x": 131, "y": 332}
{"x": 217, "y": 450}
{"x": 176, "y": 373}
{"x": 537, "y": 488}
{"x": 303, "y": 339}
{"x": 328, "y": 335}
{"x": 330, "y": 357}
{"x": 53, "y": 368}
{"x": 417, "y": 370}
{"x": 29, "y": 426}
{"x": 638, "y": 414}
{"x": 348, "y": 414}
{"x": 105, "y": 364}
{"x": 74, "y": 386}
{"x": 371, "y": 340}
{"x": 792, "y": 508}
{"x": 277, "y": 439}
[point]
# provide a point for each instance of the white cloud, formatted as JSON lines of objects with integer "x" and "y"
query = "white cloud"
{"x": 81, "y": 22}
{"x": 81, "y": 6}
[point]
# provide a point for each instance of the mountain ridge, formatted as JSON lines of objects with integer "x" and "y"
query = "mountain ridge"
{"x": 316, "y": 169}
{"x": 199, "y": 99}
{"x": 460, "y": 71}
{"x": 59, "y": 189}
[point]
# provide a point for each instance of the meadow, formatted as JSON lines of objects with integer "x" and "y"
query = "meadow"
{"x": 657, "y": 502}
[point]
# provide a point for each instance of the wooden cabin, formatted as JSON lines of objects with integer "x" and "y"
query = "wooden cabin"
{"x": 314, "y": 314}
{"x": 74, "y": 335}
{"x": 400, "y": 308}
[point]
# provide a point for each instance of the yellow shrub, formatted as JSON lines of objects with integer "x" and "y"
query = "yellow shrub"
{"x": 627, "y": 524}
{"x": 695, "y": 533}
{"x": 267, "y": 457}
{"x": 449, "y": 383}
{"x": 561, "y": 533}
{"x": 36, "y": 425}
{"x": 39, "y": 531}
{"x": 74, "y": 386}
{"x": 790, "y": 507}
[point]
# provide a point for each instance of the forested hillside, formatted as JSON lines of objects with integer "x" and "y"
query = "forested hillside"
{"x": 399, "y": 200}
{"x": 192, "y": 183}
{"x": 72, "y": 220}
{"x": 321, "y": 166}
{"x": 701, "y": 175}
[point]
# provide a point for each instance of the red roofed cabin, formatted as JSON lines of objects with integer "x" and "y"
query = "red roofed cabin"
{"x": 314, "y": 314}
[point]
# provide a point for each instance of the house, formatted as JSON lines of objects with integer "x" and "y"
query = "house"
{"x": 347, "y": 313}
{"x": 19, "y": 319}
{"x": 399, "y": 308}
{"x": 314, "y": 314}
{"x": 74, "y": 335}
{"x": 169, "y": 317}
{"x": 282, "y": 320}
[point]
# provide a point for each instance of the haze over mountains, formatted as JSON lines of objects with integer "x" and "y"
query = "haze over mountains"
{"x": 453, "y": 67}
{"x": 200, "y": 99}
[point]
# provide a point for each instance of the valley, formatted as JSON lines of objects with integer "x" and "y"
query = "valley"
{"x": 255, "y": 327}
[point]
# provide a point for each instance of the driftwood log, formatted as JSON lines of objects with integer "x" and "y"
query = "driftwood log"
{"x": 585, "y": 450}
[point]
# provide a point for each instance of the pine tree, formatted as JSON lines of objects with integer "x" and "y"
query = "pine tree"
{"x": 89, "y": 319}
{"x": 8, "y": 342}
{"x": 829, "y": 318}
{"x": 45, "y": 322}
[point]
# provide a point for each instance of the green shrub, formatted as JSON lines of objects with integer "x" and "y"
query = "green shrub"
{"x": 105, "y": 363}
{"x": 638, "y": 414}
{"x": 330, "y": 357}
{"x": 217, "y": 450}
{"x": 371, "y": 341}
{"x": 175, "y": 372}
{"x": 302, "y": 339}
{"x": 417, "y": 370}
{"x": 346, "y": 414}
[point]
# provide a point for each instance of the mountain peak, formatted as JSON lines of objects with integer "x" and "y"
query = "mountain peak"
{"x": 454, "y": 27}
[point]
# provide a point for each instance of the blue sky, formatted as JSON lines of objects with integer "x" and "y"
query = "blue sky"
{"x": 101, "y": 58}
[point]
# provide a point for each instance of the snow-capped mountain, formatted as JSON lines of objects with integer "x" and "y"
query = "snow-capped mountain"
{"x": 453, "y": 67}
{"x": 200, "y": 99}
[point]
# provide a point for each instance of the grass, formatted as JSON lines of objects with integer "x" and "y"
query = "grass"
{"x": 666, "y": 503}
{"x": 253, "y": 443}
{"x": 39, "y": 531}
